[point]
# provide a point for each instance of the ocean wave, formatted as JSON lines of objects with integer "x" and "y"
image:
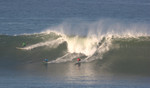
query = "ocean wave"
{"x": 92, "y": 47}
{"x": 114, "y": 52}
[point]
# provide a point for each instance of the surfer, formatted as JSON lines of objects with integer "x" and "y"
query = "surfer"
{"x": 78, "y": 60}
{"x": 23, "y": 44}
{"x": 45, "y": 60}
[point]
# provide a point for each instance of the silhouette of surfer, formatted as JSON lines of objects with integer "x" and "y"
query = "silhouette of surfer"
{"x": 45, "y": 63}
{"x": 101, "y": 42}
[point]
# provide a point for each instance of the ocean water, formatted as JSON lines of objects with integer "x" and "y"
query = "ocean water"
{"x": 112, "y": 38}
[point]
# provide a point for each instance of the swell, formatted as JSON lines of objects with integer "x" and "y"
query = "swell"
{"x": 131, "y": 56}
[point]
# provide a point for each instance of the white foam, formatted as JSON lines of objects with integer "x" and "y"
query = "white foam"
{"x": 52, "y": 44}
{"x": 103, "y": 48}
{"x": 82, "y": 45}
{"x": 67, "y": 57}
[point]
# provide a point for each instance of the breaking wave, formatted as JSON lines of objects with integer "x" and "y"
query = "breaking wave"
{"x": 69, "y": 47}
{"x": 117, "y": 47}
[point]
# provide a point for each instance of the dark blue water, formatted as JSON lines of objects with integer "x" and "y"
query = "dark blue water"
{"x": 72, "y": 17}
{"x": 18, "y": 17}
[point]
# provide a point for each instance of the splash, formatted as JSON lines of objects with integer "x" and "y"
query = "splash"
{"x": 84, "y": 45}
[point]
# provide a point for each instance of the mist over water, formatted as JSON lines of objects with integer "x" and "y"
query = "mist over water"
{"x": 101, "y": 27}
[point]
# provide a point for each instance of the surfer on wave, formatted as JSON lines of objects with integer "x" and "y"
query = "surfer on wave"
{"x": 23, "y": 44}
{"x": 45, "y": 60}
{"x": 78, "y": 60}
